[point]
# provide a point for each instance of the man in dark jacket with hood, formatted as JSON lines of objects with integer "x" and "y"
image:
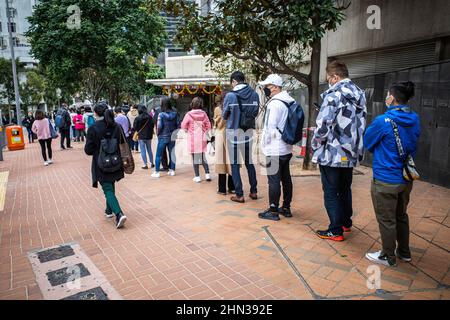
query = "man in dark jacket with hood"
{"x": 240, "y": 107}
{"x": 64, "y": 126}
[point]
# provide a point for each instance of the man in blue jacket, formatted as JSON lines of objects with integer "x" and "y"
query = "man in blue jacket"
{"x": 390, "y": 191}
{"x": 240, "y": 108}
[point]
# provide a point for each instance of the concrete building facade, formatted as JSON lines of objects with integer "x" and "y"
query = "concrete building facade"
{"x": 20, "y": 10}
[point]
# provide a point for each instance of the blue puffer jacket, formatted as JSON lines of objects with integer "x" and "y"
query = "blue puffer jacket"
{"x": 380, "y": 140}
{"x": 167, "y": 124}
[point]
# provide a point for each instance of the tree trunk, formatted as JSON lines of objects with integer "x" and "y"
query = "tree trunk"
{"x": 313, "y": 92}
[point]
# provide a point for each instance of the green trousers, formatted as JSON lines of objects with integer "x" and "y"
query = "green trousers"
{"x": 112, "y": 204}
{"x": 390, "y": 202}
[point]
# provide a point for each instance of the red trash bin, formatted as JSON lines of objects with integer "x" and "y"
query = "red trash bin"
{"x": 14, "y": 138}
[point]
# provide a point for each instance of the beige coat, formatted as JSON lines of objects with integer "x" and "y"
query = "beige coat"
{"x": 222, "y": 158}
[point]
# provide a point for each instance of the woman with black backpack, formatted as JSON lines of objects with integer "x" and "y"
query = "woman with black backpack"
{"x": 103, "y": 139}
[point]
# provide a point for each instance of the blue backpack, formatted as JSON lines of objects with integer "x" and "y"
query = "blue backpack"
{"x": 91, "y": 120}
{"x": 293, "y": 129}
{"x": 58, "y": 120}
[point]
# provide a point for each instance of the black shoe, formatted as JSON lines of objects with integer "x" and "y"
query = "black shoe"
{"x": 269, "y": 215}
{"x": 109, "y": 214}
{"x": 152, "y": 166}
{"x": 120, "y": 220}
{"x": 286, "y": 212}
{"x": 63, "y": 148}
{"x": 70, "y": 147}
{"x": 144, "y": 167}
{"x": 164, "y": 169}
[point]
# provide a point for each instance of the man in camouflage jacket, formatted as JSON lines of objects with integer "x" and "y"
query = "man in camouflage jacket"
{"x": 338, "y": 146}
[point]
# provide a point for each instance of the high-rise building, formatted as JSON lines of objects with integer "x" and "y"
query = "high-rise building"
{"x": 20, "y": 10}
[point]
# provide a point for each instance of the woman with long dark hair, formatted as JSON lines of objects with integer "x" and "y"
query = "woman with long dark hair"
{"x": 105, "y": 128}
{"x": 41, "y": 127}
{"x": 144, "y": 127}
{"x": 392, "y": 138}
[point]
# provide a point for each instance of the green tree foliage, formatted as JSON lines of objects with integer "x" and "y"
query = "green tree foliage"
{"x": 38, "y": 87}
{"x": 276, "y": 36}
{"x": 153, "y": 71}
{"x": 6, "y": 79}
{"x": 106, "y": 51}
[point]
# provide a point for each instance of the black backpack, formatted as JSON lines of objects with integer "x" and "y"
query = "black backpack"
{"x": 109, "y": 159}
{"x": 246, "y": 120}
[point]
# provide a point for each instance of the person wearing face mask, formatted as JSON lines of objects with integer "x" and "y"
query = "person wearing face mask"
{"x": 390, "y": 191}
{"x": 240, "y": 108}
{"x": 277, "y": 151}
{"x": 338, "y": 147}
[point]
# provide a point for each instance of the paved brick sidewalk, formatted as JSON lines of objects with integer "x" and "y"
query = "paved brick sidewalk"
{"x": 183, "y": 241}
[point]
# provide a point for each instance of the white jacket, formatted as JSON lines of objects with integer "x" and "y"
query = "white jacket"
{"x": 274, "y": 122}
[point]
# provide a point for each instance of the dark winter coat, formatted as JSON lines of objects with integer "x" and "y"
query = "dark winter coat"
{"x": 95, "y": 134}
{"x": 142, "y": 120}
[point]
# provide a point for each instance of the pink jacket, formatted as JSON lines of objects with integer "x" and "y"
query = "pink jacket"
{"x": 197, "y": 123}
{"x": 42, "y": 129}
{"x": 78, "y": 121}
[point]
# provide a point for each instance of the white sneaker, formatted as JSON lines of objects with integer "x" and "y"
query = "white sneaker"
{"x": 197, "y": 179}
{"x": 378, "y": 258}
{"x": 208, "y": 177}
{"x": 121, "y": 221}
{"x": 46, "y": 163}
{"x": 171, "y": 173}
{"x": 155, "y": 175}
{"x": 50, "y": 161}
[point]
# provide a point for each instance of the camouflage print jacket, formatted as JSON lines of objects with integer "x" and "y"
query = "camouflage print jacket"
{"x": 338, "y": 138}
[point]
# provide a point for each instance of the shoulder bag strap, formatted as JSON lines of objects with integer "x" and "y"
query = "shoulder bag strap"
{"x": 145, "y": 124}
{"x": 398, "y": 141}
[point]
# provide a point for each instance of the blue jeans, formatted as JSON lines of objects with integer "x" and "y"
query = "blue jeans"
{"x": 235, "y": 151}
{"x": 337, "y": 194}
{"x": 163, "y": 143}
{"x": 146, "y": 144}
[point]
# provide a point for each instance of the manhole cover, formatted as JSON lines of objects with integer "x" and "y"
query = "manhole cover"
{"x": 92, "y": 294}
{"x": 55, "y": 254}
{"x": 64, "y": 275}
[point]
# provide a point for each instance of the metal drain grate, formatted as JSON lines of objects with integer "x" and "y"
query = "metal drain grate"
{"x": 92, "y": 294}
{"x": 55, "y": 254}
{"x": 67, "y": 274}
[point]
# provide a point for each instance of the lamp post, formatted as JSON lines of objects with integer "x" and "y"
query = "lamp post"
{"x": 13, "y": 61}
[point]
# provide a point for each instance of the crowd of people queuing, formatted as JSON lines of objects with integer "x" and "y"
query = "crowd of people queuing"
{"x": 338, "y": 144}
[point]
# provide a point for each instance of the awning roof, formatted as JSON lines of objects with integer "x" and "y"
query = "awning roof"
{"x": 187, "y": 81}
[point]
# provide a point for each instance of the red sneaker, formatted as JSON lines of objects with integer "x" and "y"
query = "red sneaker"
{"x": 347, "y": 229}
{"x": 329, "y": 236}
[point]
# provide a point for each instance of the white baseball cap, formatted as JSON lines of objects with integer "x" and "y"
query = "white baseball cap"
{"x": 272, "y": 79}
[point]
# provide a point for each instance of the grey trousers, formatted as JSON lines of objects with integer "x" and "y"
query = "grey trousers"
{"x": 390, "y": 202}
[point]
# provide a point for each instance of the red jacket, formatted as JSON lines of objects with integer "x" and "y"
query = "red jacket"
{"x": 78, "y": 121}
